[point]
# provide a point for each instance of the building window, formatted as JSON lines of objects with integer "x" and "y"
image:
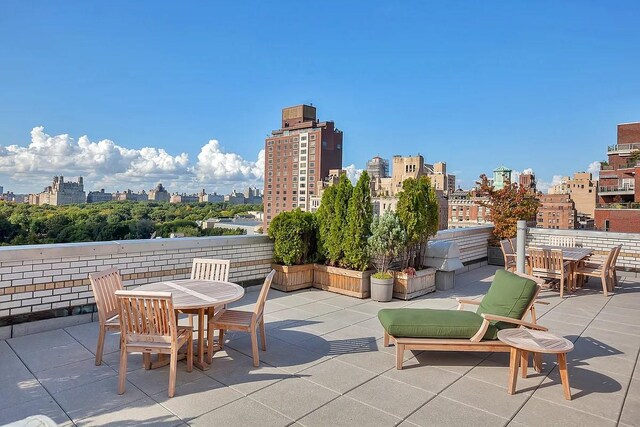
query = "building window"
{"x": 303, "y": 138}
{"x": 606, "y": 225}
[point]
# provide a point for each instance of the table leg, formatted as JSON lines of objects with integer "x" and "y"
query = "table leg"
{"x": 564, "y": 375}
{"x": 514, "y": 362}
{"x": 200, "y": 363}
{"x": 537, "y": 362}
{"x": 524, "y": 363}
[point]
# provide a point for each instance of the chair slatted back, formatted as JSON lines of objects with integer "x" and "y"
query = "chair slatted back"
{"x": 514, "y": 244}
{"x": 506, "y": 247}
{"x": 210, "y": 269}
{"x": 147, "y": 317}
{"x": 104, "y": 285}
{"x": 563, "y": 241}
{"x": 614, "y": 259}
{"x": 259, "y": 307}
{"x": 546, "y": 260}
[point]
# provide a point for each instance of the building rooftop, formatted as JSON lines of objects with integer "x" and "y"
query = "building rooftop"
{"x": 325, "y": 365}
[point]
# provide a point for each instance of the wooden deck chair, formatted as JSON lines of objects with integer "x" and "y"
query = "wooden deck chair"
{"x": 549, "y": 264}
{"x": 149, "y": 325}
{"x": 245, "y": 321}
{"x": 509, "y": 255}
{"x": 214, "y": 270}
{"x": 104, "y": 285}
{"x": 509, "y": 300}
{"x": 602, "y": 270}
{"x": 563, "y": 241}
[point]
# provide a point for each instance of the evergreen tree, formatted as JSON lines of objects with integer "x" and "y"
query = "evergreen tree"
{"x": 323, "y": 216}
{"x": 358, "y": 226}
{"x": 335, "y": 242}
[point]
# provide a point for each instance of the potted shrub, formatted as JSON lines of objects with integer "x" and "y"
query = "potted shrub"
{"x": 294, "y": 246}
{"x": 508, "y": 205}
{"x": 418, "y": 212}
{"x": 344, "y": 225}
{"x": 387, "y": 239}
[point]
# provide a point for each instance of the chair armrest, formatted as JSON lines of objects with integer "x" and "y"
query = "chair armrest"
{"x": 463, "y": 301}
{"x": 490, "y": 317}
{"x": 529, "y": 325}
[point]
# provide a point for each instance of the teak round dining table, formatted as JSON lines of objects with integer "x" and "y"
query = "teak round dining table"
{"x": 200, "y": 295}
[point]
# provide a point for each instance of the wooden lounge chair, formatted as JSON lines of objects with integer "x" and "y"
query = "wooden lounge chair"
{"x": 509, "y": 255}
{"x": 509, "y": 299}
{"x": 150, "y": 325}
{"x": 104, "y": 285}
{"x": 245, "y": 321}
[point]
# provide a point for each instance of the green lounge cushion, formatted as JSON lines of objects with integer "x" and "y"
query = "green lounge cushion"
{"x": 508, "y": 296}
{"x": 429, "y": 323}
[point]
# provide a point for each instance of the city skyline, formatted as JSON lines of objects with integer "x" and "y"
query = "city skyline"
{"x": 473, "y": 87}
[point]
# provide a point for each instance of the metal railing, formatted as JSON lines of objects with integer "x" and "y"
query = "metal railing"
{"x": 631, "y": 205}
{"x": 624, "y": 147}
{"x": 616, "y": 188}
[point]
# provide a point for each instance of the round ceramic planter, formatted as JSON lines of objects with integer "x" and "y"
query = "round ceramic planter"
{"x": 381, "y": 289}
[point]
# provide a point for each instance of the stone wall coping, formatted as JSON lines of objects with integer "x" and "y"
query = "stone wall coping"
{"x": 63, "y": 250}
{"x": 460, "y": 232}
{"x": 585, "y": 233}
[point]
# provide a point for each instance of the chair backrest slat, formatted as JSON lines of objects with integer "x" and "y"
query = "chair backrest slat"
{"x": 210, "y": 269}
{"x": 514, "y": 244}
{"x": 546, "y": 259}
{"x": 147, "y": 316}
{"x": 104, "y": 285}
{"x": 564, "y": 241}
{"x": 259, "y": 307}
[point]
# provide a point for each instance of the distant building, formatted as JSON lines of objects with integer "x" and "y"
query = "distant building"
{"x": 203, "y": 197}
{"x": 142, "y": 196}
{"x": 1, "y": 190}
{"x": 466, "y": 209}
{"x": 298, "y": 155}
{"x": 159, "y": 194}
{"x": 501, "y": 176}
{"x": 378, "y": 168}
{"x": 60, "y": 193}
{"x": 235, "y": 198}
{"x": 619, "y": 187}
{"x": 384, "y": 191}
{"x": 528, "y": 181}
{"x": 15, "y": 198}
{"x": 440, "y": 179}
{"x": 183, "y": 198}
{"x": 99, "y": 196}
{"x": 556, "y": 211}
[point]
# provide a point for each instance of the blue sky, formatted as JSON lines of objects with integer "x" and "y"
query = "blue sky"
{"x": 537, "y": 85}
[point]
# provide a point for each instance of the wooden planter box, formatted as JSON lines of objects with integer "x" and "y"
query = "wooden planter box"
{"x": 342, "y": 281}
{"x": 292, "y": 277}
{"x": 407, "y": 287}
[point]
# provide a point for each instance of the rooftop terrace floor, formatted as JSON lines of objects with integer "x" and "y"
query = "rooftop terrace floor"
{"x": 325, "y": 365}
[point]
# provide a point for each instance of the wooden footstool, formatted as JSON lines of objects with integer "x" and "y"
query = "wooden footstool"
{"x": 525, "y": 341}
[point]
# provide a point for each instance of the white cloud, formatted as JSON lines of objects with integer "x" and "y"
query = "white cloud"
{"x": 105, "y": 164}
{"x": 353, "y": 173}
{"x": 594, "y": 169}
{"x": 544, "y": 186}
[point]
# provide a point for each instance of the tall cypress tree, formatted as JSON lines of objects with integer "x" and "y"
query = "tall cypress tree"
{"x": 335, "y": 242}
{"x": 324, "y": 214}
{"x": 359, "y": 218}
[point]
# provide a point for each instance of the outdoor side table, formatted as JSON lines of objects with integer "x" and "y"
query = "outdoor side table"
{"x": 525, "y": 341}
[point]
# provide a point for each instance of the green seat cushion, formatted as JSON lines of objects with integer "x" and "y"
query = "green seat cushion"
{"x": 508, "y": 296}
{"x": 429, "y": 323}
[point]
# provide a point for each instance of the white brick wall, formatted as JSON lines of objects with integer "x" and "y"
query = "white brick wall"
{"x": 600, "y": 241}
{"x": 472, "y": 241}
{"x": 43, "y": 277}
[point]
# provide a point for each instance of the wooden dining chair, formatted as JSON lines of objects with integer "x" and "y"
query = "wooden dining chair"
{"x": 244, "y": 321}
{"x": 514, "y": 244}
{"x": 509, "y": 255}
{"x": 562, "y": 241}
{"x": 549, "y": 264}
{"x": 104, "y": 285}
{"x": 149, "y": 325}
{"x": 215, "y": 270}
{"x": 603, "y": 270}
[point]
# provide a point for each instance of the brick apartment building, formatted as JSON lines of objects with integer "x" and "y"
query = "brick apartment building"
{"x": 298, "y": 155}
{"x": 556, "y": 211}
{"x": 466, "y": 210}
{"x": 583, "y": 191}
{"x": 619, "y": 187}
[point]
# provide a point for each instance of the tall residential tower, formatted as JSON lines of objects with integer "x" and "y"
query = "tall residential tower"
{"x": 298, "y": 155}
